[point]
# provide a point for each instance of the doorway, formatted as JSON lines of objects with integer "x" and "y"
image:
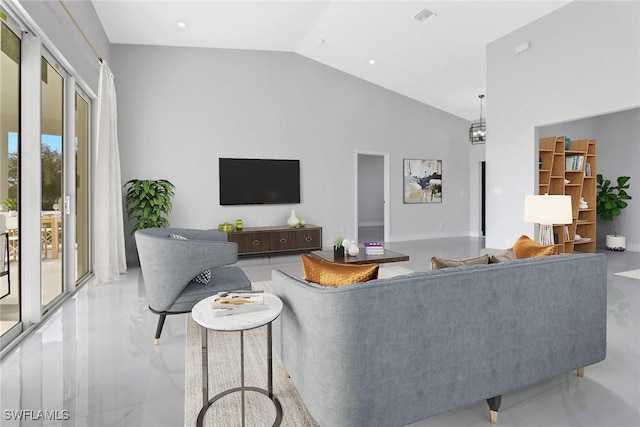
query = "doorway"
{"x": 483, "y": 203}
{"x": 372, "y": 193}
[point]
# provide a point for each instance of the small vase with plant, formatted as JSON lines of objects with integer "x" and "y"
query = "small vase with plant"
{"x": 610, "y": 203}
{"x": 338, "y": 248}
{"x": 12, "y": 205}
{"x": 148, "y": 202}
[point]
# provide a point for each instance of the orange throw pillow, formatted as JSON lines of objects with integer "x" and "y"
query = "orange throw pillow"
{"x": 332, "y": 274}
{"x": 524, "y": 247}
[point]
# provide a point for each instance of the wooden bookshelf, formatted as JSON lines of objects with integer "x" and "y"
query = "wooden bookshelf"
{"x": 571, "y": 170}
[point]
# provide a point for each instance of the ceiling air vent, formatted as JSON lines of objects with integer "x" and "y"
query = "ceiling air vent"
{"x": 424, "y": 14}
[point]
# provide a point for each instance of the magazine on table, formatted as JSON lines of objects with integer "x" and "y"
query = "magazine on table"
{"x": 236, "y": 302}
{"x": 373, "y": 248}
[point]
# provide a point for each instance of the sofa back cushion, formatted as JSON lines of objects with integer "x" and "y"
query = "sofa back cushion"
{"x": 333, "y": 274}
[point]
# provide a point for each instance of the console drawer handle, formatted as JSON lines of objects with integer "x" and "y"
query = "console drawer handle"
{"x": 308, "y": 239}
{"x": 283, "y": 240}
{"x": 256, "y": 242}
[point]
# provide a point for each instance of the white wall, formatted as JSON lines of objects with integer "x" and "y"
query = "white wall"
{"x": 182, "y": 108}
{"x": 618, "y": 151}
{"x": 584, "y": 61}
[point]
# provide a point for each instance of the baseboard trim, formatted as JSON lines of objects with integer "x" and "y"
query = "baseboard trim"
{"x": 440, "y": 235}
{"x": 371, "y": 224}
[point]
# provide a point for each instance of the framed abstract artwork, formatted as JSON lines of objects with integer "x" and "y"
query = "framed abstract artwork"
{"x": 422, "y": 181}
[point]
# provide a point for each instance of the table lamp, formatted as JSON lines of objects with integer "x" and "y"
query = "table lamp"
{"x": 547, "y": 210}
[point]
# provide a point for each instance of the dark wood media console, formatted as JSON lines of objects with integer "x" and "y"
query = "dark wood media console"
{"x": 277, "y": 239}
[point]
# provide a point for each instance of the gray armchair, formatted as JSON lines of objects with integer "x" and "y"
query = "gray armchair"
{"x": 170, "y": 264}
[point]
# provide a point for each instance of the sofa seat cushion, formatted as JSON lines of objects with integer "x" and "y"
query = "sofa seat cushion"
{"x": 524, "y": 247}
{"x": 438, "y": 263}
{"x": 333, "y": 274}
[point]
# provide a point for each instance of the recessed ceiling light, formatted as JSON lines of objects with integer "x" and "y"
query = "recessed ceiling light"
{"x": 182, "y": 25}
{"x": 372, "y": 61}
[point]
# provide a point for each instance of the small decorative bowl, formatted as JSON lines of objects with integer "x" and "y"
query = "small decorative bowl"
{"x": 226, "y": 227}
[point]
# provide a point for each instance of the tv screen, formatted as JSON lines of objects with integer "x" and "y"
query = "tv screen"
{"x": 259, "y": 181}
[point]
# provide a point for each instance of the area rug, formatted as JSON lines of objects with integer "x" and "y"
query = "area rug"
{"x": 633, "y": 274}
{"x": 224, "y": 373}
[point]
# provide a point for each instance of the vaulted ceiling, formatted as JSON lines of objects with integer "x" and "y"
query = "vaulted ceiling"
{"x": 440, "y": 61}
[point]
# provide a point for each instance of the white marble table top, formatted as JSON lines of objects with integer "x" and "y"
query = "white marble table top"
{"x": 202, "y": 314}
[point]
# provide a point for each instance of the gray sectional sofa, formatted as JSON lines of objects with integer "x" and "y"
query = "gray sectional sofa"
{"x": 389, "y": 352}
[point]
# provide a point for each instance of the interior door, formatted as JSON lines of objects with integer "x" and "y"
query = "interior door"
{"x": 371, "y": 197}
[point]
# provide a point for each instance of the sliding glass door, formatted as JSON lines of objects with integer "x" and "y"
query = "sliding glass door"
{"x": 82, "y": 186}
{"x": 51, "y": 222}
{"x": 45, "y": 139}
{"x": 9, "y": 178}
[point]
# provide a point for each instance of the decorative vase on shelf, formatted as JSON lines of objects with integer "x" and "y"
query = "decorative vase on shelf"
{"x": 303, "y": 222}
{"x": 293, "y": 220}
{"x": 338, "y": 252}
{"x": 239, "y": 224}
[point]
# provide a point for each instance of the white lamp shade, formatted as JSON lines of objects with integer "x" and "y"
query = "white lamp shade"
{"x": 548, "y": 209}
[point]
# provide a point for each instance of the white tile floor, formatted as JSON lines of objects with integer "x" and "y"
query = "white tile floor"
{"x": 95, "y": 358}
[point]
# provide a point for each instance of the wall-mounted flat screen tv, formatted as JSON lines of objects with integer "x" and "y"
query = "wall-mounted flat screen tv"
{"x": 259, "y": 181}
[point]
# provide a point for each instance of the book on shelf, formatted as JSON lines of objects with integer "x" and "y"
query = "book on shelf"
{"x": 587, "y": 169}
{"x": 237, "y": 302}
{"x": 573, "y": 163}
{"x": 373, "y": 248}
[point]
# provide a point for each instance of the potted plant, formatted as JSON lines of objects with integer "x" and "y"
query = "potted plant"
{"x": 148, "y": 202}
{"x": 12, "y": 204}
{"x": 610, "y": 202}
{"x": 338, "y": 248}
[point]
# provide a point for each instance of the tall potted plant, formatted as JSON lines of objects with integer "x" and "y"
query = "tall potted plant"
{"x": 610, "y": 203}
{"x": 148, "y": 202}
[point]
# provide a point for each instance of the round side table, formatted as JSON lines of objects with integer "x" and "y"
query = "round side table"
{"x": 202, "y": 314}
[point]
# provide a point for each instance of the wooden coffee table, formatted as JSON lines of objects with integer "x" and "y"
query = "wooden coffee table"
{"x": 361, "y": 258}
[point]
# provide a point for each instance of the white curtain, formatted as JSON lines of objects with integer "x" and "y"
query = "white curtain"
{"x": 110, "y": 257}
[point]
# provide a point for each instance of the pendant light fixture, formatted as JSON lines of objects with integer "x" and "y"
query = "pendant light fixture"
{"x": 478, "y": 131}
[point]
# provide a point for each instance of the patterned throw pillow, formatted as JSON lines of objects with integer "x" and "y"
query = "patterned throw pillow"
{"x": 438, "y": 263}
{"x": 333, "y": 274}
{"x": 524, "y": 247}
{"x": 203, "y": 278}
